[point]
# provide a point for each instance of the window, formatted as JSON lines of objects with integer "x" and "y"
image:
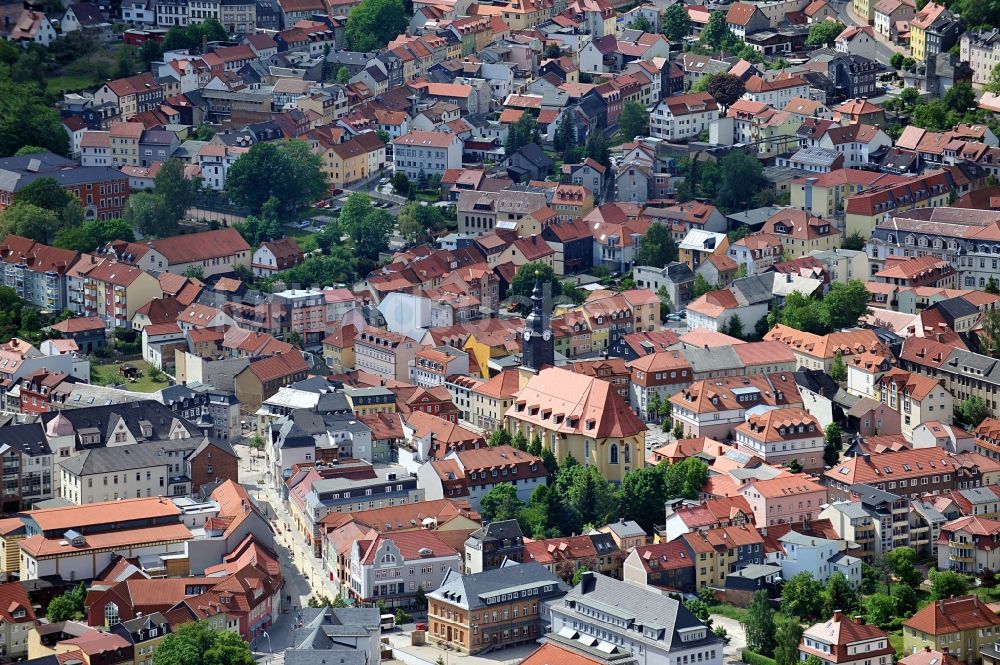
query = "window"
{"x": 111, "y": 615}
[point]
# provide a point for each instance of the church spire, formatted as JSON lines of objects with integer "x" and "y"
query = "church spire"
{"x": 538, "y": 347}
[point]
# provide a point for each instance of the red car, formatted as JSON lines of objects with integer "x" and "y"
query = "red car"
{"x": 421, "y": 626}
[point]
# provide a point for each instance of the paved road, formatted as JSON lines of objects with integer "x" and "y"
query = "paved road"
{"x": 737, "y": 636}
{"x": 295, "y": 557}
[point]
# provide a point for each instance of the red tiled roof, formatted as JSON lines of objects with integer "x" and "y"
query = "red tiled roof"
{"x": 194, "y": 247}
{"x": 945, "y": 617}
{"x": 278, "y": 366}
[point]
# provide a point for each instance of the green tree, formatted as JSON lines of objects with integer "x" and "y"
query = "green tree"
{"x": 500, "y": 503}
{"x": 549, "y": 460}
{"x": 642, "y": 497}
{"x": 148, "y": 214}
{"x": 701, "y": 287}
{"x": 633, "y": 122}
{"x": 45, "y": 193}
{"x": 592, "y": 496}
{"x": 524, "y": 279}
{"x": 263, "y": 227}
{"x": 521, "y": 133}
{"x": 685, "y": 479}
{"x": 838, "y": 372}
{"x": 28, "y": 149}
{"x": 993, "y": 85}
{"x": 734, "y": 326}
{"x": 343, "y": 75}
{"x": 716, "y": 32}
{"x": 992, "y": 287}
{"x": 535, "y": 447}
{"x": 197, "y": 643}
{"x": 368, "y": 226}
{"x": 653, "y": 406}
{"x": 948, "y": 584}
{"x": 896, "y": 60}
{"x": 69, "y": 605}
{"x": 799, "y": 312}
{"x": 26, "y": 119}
{"x": 565, "y": 136}
{"x": 901, "y": 562}
{"x": 991, "y": 332}
{"x": 176, "y": 190}
{"x": 909, "y": 96}
{"x": 520, "y": 441}
{"x": 972, "y": 411}
{"x": 786, "y": 642}
{"x": 640, "y": 23}
{"x": 759, "y": 625}
{"x": 905, "y": 598}
{"x": 802, "y": 597}
{"x": 701, "y": 610}
{"x": 374, "y": 23}
{"x": 149, "y": 52}
{"x": 839, "y": 595}
{"x": 30, "y": 221}
{"x": 740, "y": 177}
{"x": 500, "y": 437}
{"x": 843, "y": 304}
{"x": 960, "y": 97}
{"x": 658, "y": 247}
{"x": 597, "y": 148}
{"x": 418, "y": 221}
{"x": 880, "y": 610}
{"x": 725, "y": 88}
{"x": 676, "y": 23}
{"x": 92, "y": 234}
{"x": 824, "y": 32}
{"x": 288, "y": 171}
{"x": 400, "y": 183}
{"x": 854, "y": 240}
{"x": 794, "y": 466}
{"x": 197, "y": 272}
{"x": 831, "y": 444}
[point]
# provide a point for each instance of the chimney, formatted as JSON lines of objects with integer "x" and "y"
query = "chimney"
{"x": 587, "y": 582}
{"x": 927, "y": 649}
{"x": 944, "y": 650}
{"x": 859, "y": 619}
{"x": 838, "y": 616}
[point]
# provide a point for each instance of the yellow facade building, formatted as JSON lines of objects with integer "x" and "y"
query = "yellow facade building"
{"x": 582, "y": 416}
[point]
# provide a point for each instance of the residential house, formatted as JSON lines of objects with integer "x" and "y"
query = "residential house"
{"x": 682, "y": 117}
{"x": 964, "y": 624}
{"x": 515, "y": 594}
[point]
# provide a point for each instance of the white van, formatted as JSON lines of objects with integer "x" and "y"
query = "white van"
{"x": 388, "y": 622}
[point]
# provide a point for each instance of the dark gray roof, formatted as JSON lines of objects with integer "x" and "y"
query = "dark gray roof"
{"x": 128, "y": 457}
{"x": 817, "y": 382}
{"x": 956, "y": 308}
{"x": 16, "y": 173}
{"x": 498, "y": 531}
{"x": 713, "y": 359}
{"x": 872, "y": 495}
{"x": 642, "y": 610}
{"x": 29, "y": 439}
{"x": 321, "y": 626}
{"x": 473, "y": 591}
{"x": 107, "y": 416}
{"x": 754, "y": 289}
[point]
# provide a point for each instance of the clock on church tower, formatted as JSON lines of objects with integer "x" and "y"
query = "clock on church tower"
{"x": 537, "y": 346}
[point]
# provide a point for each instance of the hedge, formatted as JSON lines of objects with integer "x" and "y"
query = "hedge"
{"x": 754, "y": 658}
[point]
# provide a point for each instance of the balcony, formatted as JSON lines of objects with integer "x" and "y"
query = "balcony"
{"x": 960, "y": 559}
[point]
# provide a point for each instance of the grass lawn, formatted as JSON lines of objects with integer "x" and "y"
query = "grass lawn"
{"x": 81, "y": 73}
{"x": 110, "y": 374}
{"x": 896, "y": 640}
{"x": 988, "y": 595}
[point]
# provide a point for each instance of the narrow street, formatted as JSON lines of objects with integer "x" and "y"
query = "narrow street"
{"x": 737, "y": 637}
{"x": 302, "y": 572}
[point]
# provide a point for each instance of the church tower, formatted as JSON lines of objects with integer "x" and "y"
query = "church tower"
{"x": 538, "y": 346}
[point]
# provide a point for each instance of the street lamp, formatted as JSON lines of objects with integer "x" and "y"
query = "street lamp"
{"x": 269, "y": 649}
